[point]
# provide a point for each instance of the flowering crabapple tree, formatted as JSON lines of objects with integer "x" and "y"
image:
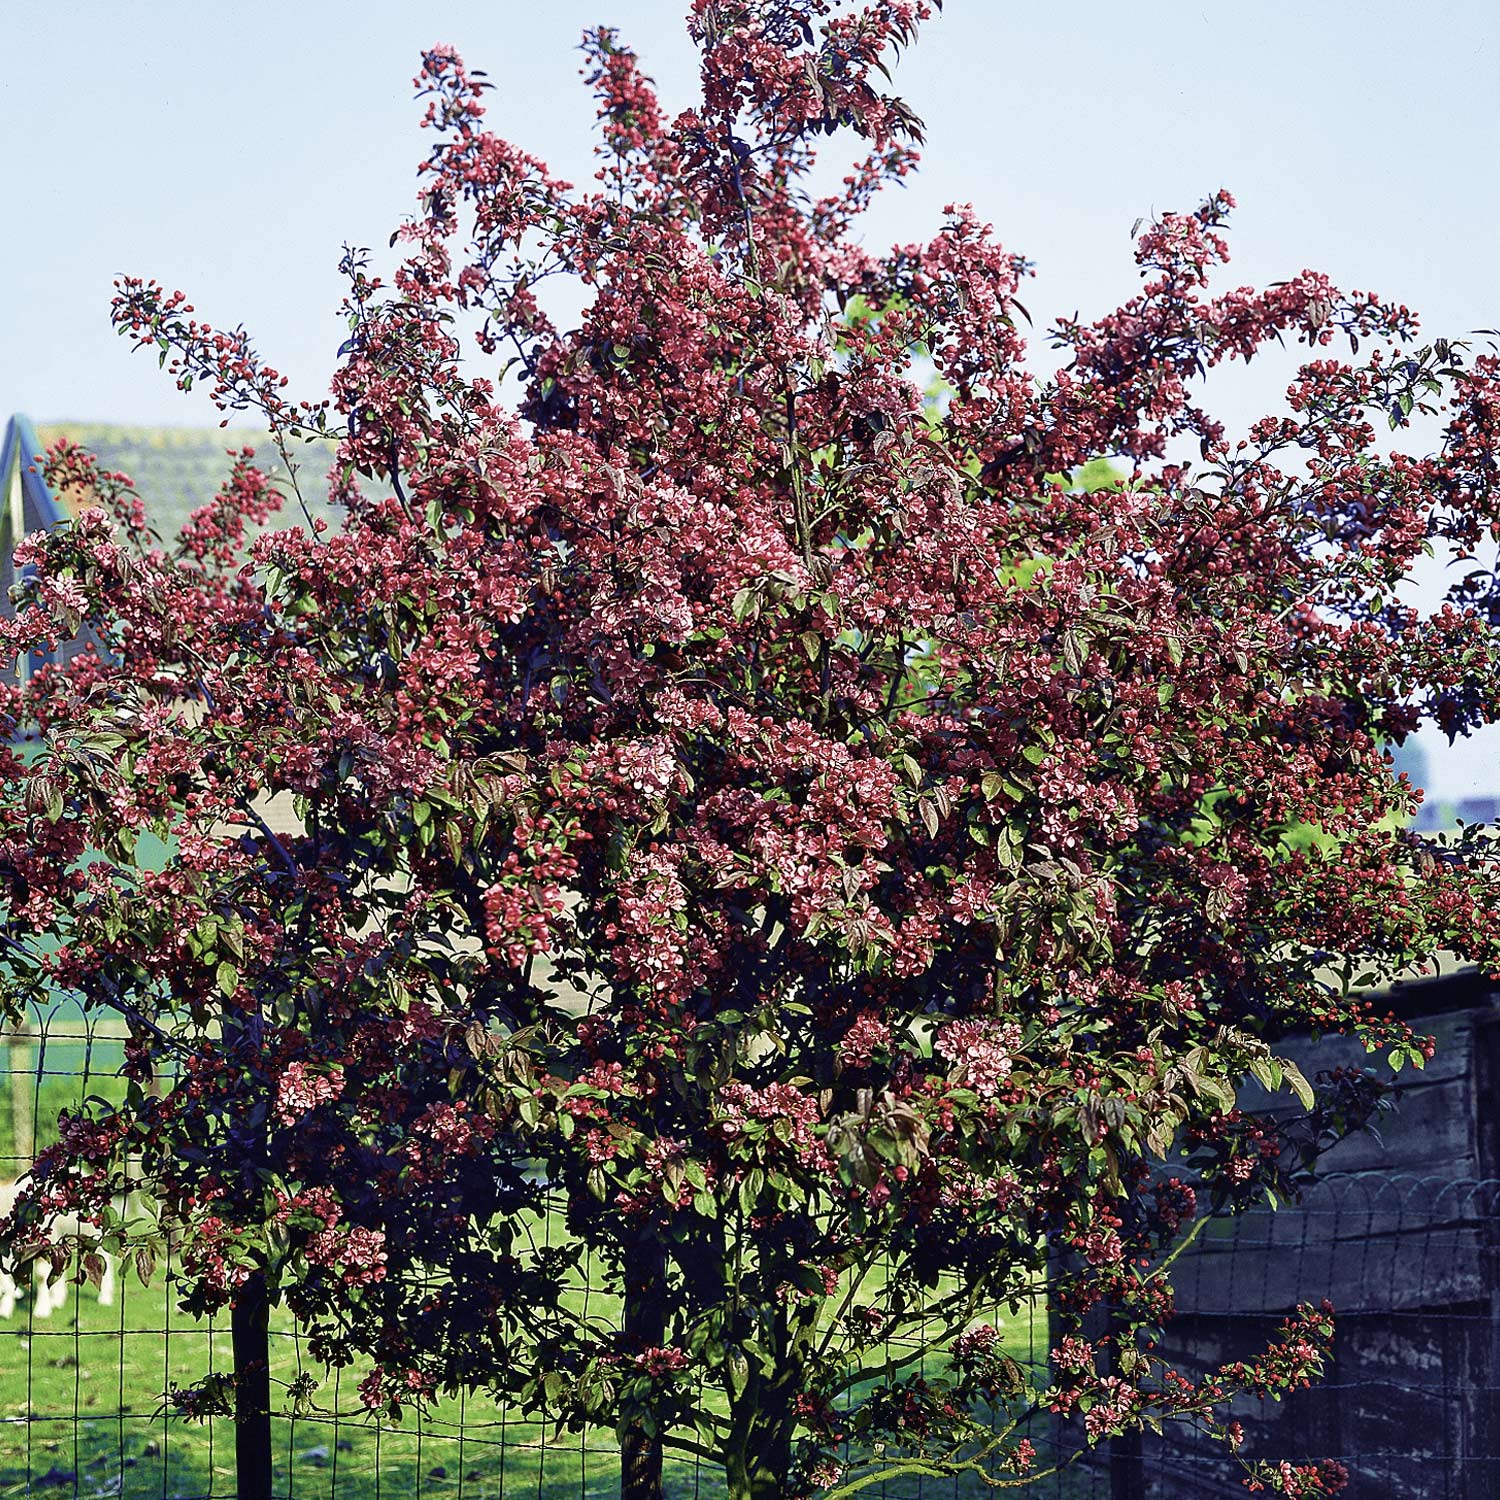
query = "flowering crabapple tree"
{"x": 767, "y": 825}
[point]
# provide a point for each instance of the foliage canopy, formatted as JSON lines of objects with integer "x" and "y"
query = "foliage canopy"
{"x": 765, "y": 807}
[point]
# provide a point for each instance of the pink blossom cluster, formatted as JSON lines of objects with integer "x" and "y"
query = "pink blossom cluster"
{"x": 982, "y": 1052}
{"x": 793, "y": 1118}
{"x": 356, "y": 1254}
{"x": 299, "y": 1091}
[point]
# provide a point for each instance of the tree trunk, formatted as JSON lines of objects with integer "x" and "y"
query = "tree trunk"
{"x": 759, "y": 1470}
{"x": 758, "y": 1456}
{"x": 645, "y": 1327}
{"x": 640, "y": 1464}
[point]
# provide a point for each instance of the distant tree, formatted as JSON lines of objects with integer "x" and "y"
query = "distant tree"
{"x": 789, "y": 821}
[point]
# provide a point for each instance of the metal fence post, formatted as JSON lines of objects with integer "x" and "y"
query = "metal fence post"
{"x": 1127, "y": 1470}
{"x": 250, "y": 1336}
{"x": 1127, "y": 1467}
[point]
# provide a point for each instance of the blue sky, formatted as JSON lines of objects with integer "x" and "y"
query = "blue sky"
{"x": 230, "y": 149}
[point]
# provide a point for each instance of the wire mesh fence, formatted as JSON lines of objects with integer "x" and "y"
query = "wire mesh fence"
{"x": 87, "y": 1372}
{"x": 1411, "y": 1408}
{"x": 1411, "y": 1403}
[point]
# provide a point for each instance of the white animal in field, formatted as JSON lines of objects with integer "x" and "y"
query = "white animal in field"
{"x": 49, "y": 1292}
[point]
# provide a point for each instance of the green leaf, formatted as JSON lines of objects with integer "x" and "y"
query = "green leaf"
{"x": 1267, "y": 1072}
{"x": 929, "y": 816}
{"x": 1300, "y": 1086}
{"x": 1074, "y": 651}
{"x": 232, "y": 936}
{"x": 751, "y": 1186}
{"x": 228, "y": 978}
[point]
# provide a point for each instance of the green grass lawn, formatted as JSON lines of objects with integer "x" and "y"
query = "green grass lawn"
{"x": 57, "y": 1062}
{"x": 81, "y": 1393}
{"x": 81, "y": 1413}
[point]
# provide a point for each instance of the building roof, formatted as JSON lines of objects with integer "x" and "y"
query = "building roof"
{"x": 177, "y": 469}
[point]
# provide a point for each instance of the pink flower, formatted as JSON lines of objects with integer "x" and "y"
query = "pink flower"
{"x": 982, "y": 1053}
{"x": 868, "y": 1034}
{"x": 298, "y": 1091}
